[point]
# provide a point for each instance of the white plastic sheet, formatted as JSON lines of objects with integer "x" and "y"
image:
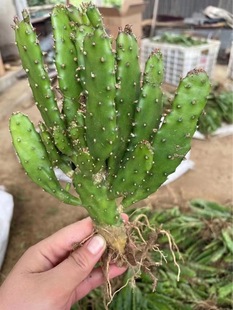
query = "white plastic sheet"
{"x": 186, "y": 165}
{"x": 6, "y": 213}
{"x": 223, "y": 131}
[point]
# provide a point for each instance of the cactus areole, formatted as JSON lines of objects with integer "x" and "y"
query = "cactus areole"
{"x": 109, "y": 136}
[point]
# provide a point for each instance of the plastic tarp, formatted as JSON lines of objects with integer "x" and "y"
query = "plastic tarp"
{"x": 6, "y": 213}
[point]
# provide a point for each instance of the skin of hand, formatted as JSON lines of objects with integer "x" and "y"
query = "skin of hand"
{"x": 51, "y": 276}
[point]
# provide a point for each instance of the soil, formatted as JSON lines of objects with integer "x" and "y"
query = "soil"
{"x": 37, "y": 214}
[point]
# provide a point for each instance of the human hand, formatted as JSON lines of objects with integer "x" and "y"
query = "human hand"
{"x": 51, "y": 276}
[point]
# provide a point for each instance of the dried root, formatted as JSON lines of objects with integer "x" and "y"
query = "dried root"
{"x": 206, "y": 305}
{"x": 142, "y": 242}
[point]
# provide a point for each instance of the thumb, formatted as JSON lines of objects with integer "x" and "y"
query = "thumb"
{"x": 79, "y": 263}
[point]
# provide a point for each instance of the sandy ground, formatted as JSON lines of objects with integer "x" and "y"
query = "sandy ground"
{"x": 37, "y": 214}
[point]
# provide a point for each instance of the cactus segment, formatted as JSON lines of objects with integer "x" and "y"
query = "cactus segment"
{"x": 74, "y": 14}
{"x": 128, "y": 76}
{"x": 34, "y": 158}
{"x": 66, "y": 62}
{"x": 100, "y": 90}
{"x": 84, "y": 27}
{"x": 79, "y": 36}
{"x": 81, "y": 159}
{"x": 32, "y": 62}
{"x": 181, "y": 123}
{"x": 86, "y": 163}
{"x": 94, "y": 16}
{"x": 133, "y": 170}
{"x": 54, "y": 154}
{"x": 31, "y": 56}
{"x": 77, "y": 132}
{"x": 150, "y": 105}
{"x": 173, "y": 139}
{"x": 94, "y": 196}
{"x": 61, "y": 141}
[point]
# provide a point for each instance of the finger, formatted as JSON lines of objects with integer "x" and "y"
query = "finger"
{"x": 95, "y": 279}
{"x": 49, "y": 252}
{"x": 125, "y": 217}
{"x": 79, "y": 264}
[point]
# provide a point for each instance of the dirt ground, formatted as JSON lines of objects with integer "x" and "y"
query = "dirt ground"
{"x": 37, "y": 214}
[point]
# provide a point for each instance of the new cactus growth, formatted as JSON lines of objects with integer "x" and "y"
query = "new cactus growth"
{"x": 109, "y": 136}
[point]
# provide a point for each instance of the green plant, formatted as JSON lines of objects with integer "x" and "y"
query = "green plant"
{"x": 36, "y": 2}
{"x": 32, "y": 3}
{"x": 218, "y": 110}
{"x": 106, "y": 136}
{"x": 180, "y": 39}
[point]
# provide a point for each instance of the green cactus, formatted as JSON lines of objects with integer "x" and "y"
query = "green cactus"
{"x": 150, "y": 103}
{"x": 66, "y": 62}
{"x": 99, "y": 88}
{"x": 133, "y": 169}
{"x": 108, "y": 136}
{"x": 32, "y": 60}
{"x": 127, "y": 76}
{"x": 58, "y": 160}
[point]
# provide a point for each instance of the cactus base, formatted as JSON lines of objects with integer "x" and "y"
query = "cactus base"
{"x": 115, "y": 237}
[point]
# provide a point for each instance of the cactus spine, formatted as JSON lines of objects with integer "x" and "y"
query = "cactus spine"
{"x": 107, "y": 137}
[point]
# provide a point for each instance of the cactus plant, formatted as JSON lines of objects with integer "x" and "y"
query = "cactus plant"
{"x": 107, "y": 137}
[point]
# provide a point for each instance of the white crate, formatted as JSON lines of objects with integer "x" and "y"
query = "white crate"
{"x": 179, "y": 60}
{"x": 230, "y": 64}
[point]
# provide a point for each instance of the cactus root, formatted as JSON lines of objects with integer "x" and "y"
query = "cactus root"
{"x": 136, "y": 252}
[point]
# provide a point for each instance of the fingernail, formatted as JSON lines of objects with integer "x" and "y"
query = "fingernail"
{"x": 96, "y": 244}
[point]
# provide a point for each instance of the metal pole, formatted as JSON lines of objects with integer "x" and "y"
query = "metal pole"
{"x": 154, "y": 17}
